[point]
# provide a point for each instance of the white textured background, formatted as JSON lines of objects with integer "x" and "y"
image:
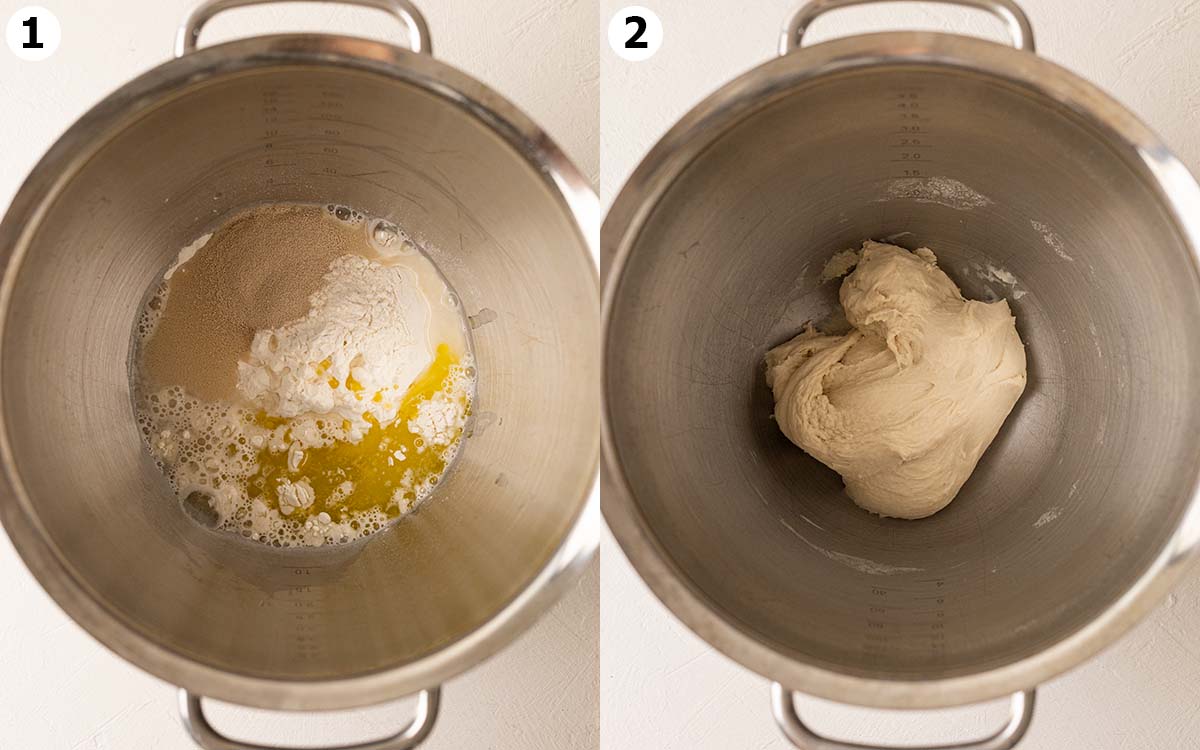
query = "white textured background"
{"x": 59, "y": 689}
{"x": 662, "y": 688}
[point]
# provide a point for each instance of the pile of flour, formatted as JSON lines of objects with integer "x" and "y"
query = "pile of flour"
{"x": 362, "y": 343}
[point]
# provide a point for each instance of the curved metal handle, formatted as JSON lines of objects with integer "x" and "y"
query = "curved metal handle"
{"x": 418, "y": 31}
{"x": 417, "y": 731}
{"x": 1015, "y": 20}
{"x": 783, "y": 707}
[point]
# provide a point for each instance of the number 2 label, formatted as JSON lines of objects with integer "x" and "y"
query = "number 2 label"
{"x": 635, "y": 33}
{"x": 636, "y": 41}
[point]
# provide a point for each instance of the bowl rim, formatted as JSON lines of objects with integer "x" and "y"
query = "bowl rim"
{"x": 693, "y": 133}
{"x": 571, "y": 553}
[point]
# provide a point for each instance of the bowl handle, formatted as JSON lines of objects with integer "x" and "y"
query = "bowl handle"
{"x": 783, "y": 707}
{"x": 1015, "y": 20}
{"x": 418, "y": 31}
{"x": 208, "y": 738}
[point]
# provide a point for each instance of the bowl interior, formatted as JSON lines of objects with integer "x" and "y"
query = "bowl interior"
{"x": 1087, "y": 479}
{"x": 507, "y": 244}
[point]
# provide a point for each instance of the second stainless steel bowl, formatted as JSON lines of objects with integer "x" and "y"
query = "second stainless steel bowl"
{"x": 1080, "y": 513}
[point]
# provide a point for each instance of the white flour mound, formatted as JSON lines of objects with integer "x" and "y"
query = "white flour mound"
{"x": 364, "y": 336}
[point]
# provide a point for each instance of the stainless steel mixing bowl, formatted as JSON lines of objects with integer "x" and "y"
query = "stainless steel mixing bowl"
{"x": 1078, "y": 517}
{"x": 301, "y": 118}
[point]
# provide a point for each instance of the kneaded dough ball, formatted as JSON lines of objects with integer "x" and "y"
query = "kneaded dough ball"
{"x": 904, "y": 405}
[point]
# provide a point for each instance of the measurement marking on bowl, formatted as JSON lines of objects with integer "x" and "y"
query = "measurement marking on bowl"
{"x": 300, "y": 603}
{"x": 283, "y": 108}
{"x": 900, "y": 619}
{"x": 912, "y": 134}
{"x": 911, "y": 143}
{"x": 307, "y": 631}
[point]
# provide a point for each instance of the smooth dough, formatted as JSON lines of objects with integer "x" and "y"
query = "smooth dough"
{"x": 904, "y": 405}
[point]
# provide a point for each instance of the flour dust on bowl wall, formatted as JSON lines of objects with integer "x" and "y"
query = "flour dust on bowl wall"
{"x": 267, "y": 288}
{"x": 1034, "y": 190}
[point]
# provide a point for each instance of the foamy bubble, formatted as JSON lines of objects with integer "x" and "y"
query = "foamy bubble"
{"x": 209, "y": 452}
{"x": 151, "y": 314}
{"x": 384, "y": 234}
{"x": 439, "y": 420}
{"x": 345, "y": 213}
{"x": 390, "y": 240}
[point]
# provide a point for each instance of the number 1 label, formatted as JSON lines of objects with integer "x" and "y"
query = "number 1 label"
{"x": 33, "y": 33}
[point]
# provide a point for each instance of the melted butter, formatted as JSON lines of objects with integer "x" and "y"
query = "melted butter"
{"x": 377, "y": 464}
